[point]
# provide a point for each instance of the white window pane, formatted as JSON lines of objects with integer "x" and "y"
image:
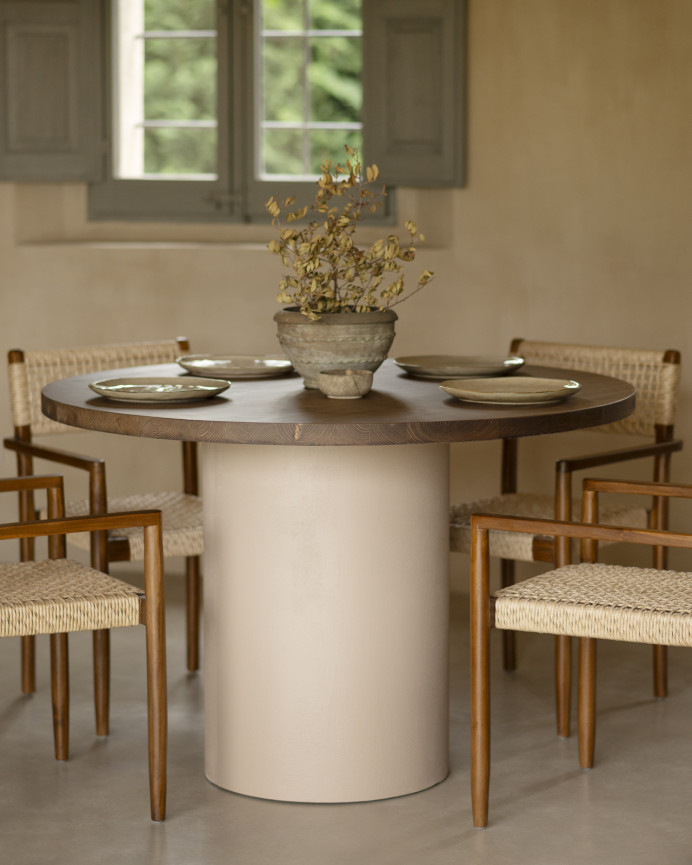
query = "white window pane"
{"x": 180, "y": 151}
{"x": 284, "y": 152}
{"x": 336, "y": 92}
{"x": 342, "y": 15}
{"x": 328, "y": 145}
{"x": 180, "y": 79}
{"x": 180, "y": 14}
{"x": 166, "y": 58}
{"x": 284, "y": 92}
{"x": 310, "y": 61}
{"x": 283, "y": 14}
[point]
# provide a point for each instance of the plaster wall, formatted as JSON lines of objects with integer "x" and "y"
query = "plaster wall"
{"x": 574, "y": 226}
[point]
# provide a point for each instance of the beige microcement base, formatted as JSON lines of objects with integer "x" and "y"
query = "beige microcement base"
{"x": 326, "y": 620}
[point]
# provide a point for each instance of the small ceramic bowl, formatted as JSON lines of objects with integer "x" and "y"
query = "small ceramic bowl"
{"x": 344, "y": 383}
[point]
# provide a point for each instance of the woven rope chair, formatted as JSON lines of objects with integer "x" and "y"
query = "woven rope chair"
{"x": 656, "y": 375}
{"x": 29, "y": 372}
{"x": 591, "y": 601}
{"x": 58, "y": 596}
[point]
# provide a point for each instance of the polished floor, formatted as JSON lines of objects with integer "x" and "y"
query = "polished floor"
{"x": 633, "y": 807}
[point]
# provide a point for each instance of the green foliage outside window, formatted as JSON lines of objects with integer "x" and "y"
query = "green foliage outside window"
{"x": 180, "y": 85}
{"x": 333, "y": 83}
{"x": 180, "y": 14}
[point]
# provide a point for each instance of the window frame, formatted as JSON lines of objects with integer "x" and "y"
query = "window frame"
{"x": 403, "y": 40}
{"x": 236, "y": 194}
{"x": 170, "y": 199}
{"x": 131, "y": 128}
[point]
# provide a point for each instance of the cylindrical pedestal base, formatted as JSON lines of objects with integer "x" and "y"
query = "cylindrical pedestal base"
{"x": 326, "y": 620}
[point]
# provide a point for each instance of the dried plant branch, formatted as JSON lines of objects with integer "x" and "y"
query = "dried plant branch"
{"x": 330, "y": 273}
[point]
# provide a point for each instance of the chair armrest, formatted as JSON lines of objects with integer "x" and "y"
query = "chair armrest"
{"x": 482, "y": 523}
{"x": 94, "y": 465}
{"x": 589, "y": 461}
{"x": 66, "y": 458}
{"x": 31, "y": 482}
{"x": 647, "y": 488}
{"x": 69, "y": 525}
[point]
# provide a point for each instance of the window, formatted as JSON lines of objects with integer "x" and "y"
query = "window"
{"x": 164, "y": 86}
{"x": 308, "y": 90}
{"x": 309, "y": 85}
{"x": 173, "y": 119}
{"x": 213, "y": 105}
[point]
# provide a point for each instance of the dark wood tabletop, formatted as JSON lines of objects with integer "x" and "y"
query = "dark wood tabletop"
{"x": 398, "y": 410}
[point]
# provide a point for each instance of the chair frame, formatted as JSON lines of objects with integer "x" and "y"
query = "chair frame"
{"x": 104, "y": 548}
{"x": 482, "y": 610}
{"x": 546, "y": 549}
{"x": 152, "y": 616}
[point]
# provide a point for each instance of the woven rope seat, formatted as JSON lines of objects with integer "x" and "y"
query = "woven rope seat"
{"x": 511, "y": 545}
{"x": 181, "y": 517}
{"x": 59, "y": 596}
{"x": 610, "y": 602}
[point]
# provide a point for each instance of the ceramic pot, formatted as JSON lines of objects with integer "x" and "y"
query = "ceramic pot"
{"x": 338, "y": 340}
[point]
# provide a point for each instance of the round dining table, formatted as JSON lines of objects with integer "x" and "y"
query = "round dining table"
{"x": 326, "y": 567}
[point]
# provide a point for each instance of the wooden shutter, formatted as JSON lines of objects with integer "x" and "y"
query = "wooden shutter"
{"x": 50, "y": 90}
{"x": 414, "y": 89}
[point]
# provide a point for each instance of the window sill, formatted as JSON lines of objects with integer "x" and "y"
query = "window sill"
{"x": 54, "y": 214}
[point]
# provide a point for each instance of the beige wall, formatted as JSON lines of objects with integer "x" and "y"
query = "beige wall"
{"x": 574, "y": 224}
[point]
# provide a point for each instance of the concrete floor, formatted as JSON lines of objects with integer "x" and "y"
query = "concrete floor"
{"x": 633, "y": 807}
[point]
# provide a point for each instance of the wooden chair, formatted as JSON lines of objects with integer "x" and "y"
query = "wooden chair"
{"x": 57, "y": 596}
{"x": 656, "y": 376}
{"x": 591, "y": 601}
{"x": 29, "y": 372}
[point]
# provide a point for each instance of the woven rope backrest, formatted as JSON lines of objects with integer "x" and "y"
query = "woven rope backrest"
{"x": 42, "y": 367}
{"x": 656, "y": 380}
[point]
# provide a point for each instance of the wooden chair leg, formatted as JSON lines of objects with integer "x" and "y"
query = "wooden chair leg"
{"x": 480, "y": 686}
{"x": 563, "y": 683}
{"x": 660, "y": 671}
{"x": 193, "y": 590}
{"x": 157, "y": 701}
{"x": 587, "y": 701}
{"x": 27, "y": 546}
{"x": 60, "y": 690}
{"x": 480, "y": 728}
{"x": 658, "y": 519}
{"x": 158, "y": 726}
{"x": 509, "y": 638}
{"x": 480, "y": 731}
{"x": 28, "y": 665}
{"x": 102, "y": 670}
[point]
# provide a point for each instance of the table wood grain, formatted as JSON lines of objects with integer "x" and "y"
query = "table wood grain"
{"x": 399, "y": 410}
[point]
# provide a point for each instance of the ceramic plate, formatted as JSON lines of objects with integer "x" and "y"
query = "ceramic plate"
{"x": 521, "y": 390}
{"x": 230, "y": 366}
{"x": 442, "y": 366}
{"x": 167, "y": 389}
